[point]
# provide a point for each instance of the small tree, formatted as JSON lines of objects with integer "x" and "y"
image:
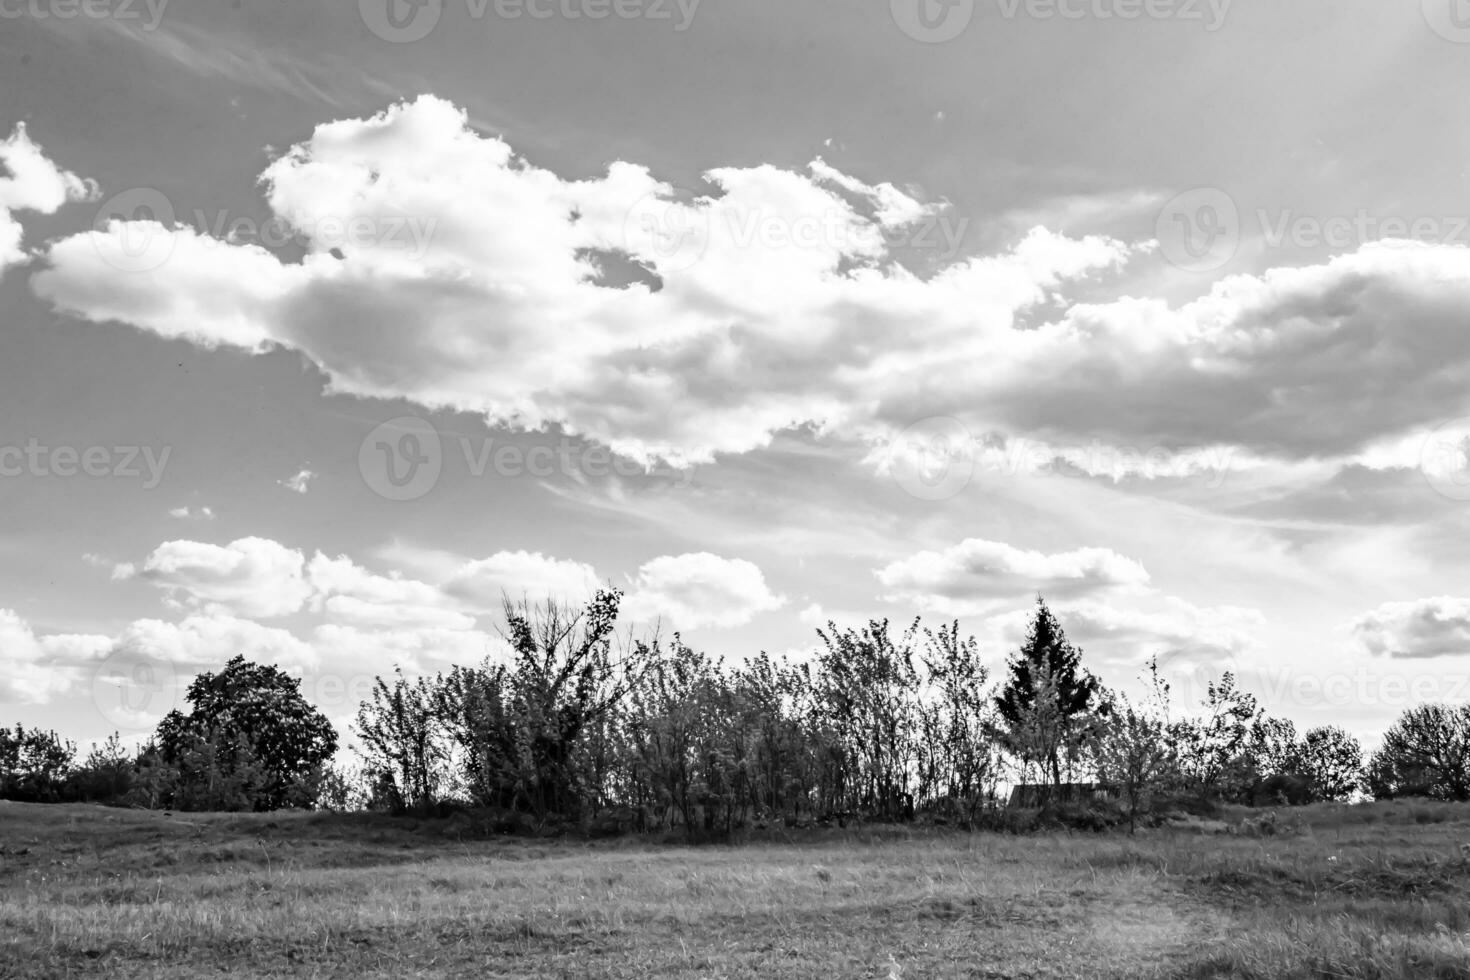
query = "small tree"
{"x": 34, "y": 764}
{"x": 1213, "y": 750}
{"x": 1133, "y": 751}
{"x": 404, "y": 742}
{"x": 1332, "y": 760}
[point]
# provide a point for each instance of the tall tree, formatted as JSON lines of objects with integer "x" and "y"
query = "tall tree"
{"x": 1047, "y": 667}
{"x": 254, "y": 707}
{"x": 1425, "y": 753}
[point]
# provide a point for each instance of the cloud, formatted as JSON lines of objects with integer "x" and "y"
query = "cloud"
{"x": 777, "y": 304}
{"x": 200, "y": 642}
{"x": 697, "y": 590}
{"x": 249, "y": 577}
{"x": 971, "y": 576}
{"x": 1180, "y": 634}
{"x": 354, "y": 650}
{"x": 192, "y": 513}
{"x": 351, "y": 595}
{"x": 299, "y": 483}
{"x": 482, "y": 583}
{"x": 31, "y": 182}
{"x": 34, "y": 669}
{"x": 1431, "y": 627}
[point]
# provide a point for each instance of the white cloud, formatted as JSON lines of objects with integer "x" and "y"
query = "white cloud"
{"x": 514, "y": 574}
{"x": 1180, "y": 634}
{"x": 249, "y": 577}
{"x": 354, "y": 650}
{"x": 696, "y": 590}
{"x": 34, "y": 669}
{"x": 201, "y": 642}
{"x": 31, "y": 182}
{"x": 779, "y": 306}
{"x": 192, "y": 513}
{"x": 351, "y": 595}
{"x": 1431, "y": 627}
{"x": 299, "y": 483}
{"x": 971, "y": 576}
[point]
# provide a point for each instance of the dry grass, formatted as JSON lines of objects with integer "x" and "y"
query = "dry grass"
{"x": 1376, "y": 892}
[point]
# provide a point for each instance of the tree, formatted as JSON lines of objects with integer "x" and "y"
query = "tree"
{"x": 1132, "y": 750}
{"x": 253, "y": 717}
{"x": 1214, "y": 750}
{"x": 403, "y": 741}
{"x": 1048, "y": 698}
{"x": 1332, "y": 761}
{"x": 1425, "y": 753}
{"x": 869, "y": 693}
{"x": 34, "y": 764}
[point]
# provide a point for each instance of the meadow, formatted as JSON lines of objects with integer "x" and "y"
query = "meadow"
{"x": 1374, "y": 891}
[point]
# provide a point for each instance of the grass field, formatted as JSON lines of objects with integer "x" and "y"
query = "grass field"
{"x": 1379, "y": 891}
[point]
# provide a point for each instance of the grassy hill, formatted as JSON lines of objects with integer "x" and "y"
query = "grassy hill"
{"x": 1380, "y": 891}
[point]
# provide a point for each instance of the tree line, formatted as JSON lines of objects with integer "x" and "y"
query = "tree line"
{"x": 583, "y": 725}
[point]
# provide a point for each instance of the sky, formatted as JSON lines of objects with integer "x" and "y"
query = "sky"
{"x": 326, "y": 325}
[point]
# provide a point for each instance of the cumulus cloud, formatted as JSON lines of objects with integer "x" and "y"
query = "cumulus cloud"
{"x": 444, "y": 269}
{"x": 31, "y": 182}
{"x": 482, "y": 583}
{"x": 471, "y": 281}
{"x": 971, "y": 576}
{"x": 211, "y": 640}
{"x": 353, "y": 596}
{"x": 34, "y": 669}
{"x": 1183, "y": 636}
{"x": 1431, "y": 627}
{"x": 249, "y": 577}
{"x": 695, "y": 590}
